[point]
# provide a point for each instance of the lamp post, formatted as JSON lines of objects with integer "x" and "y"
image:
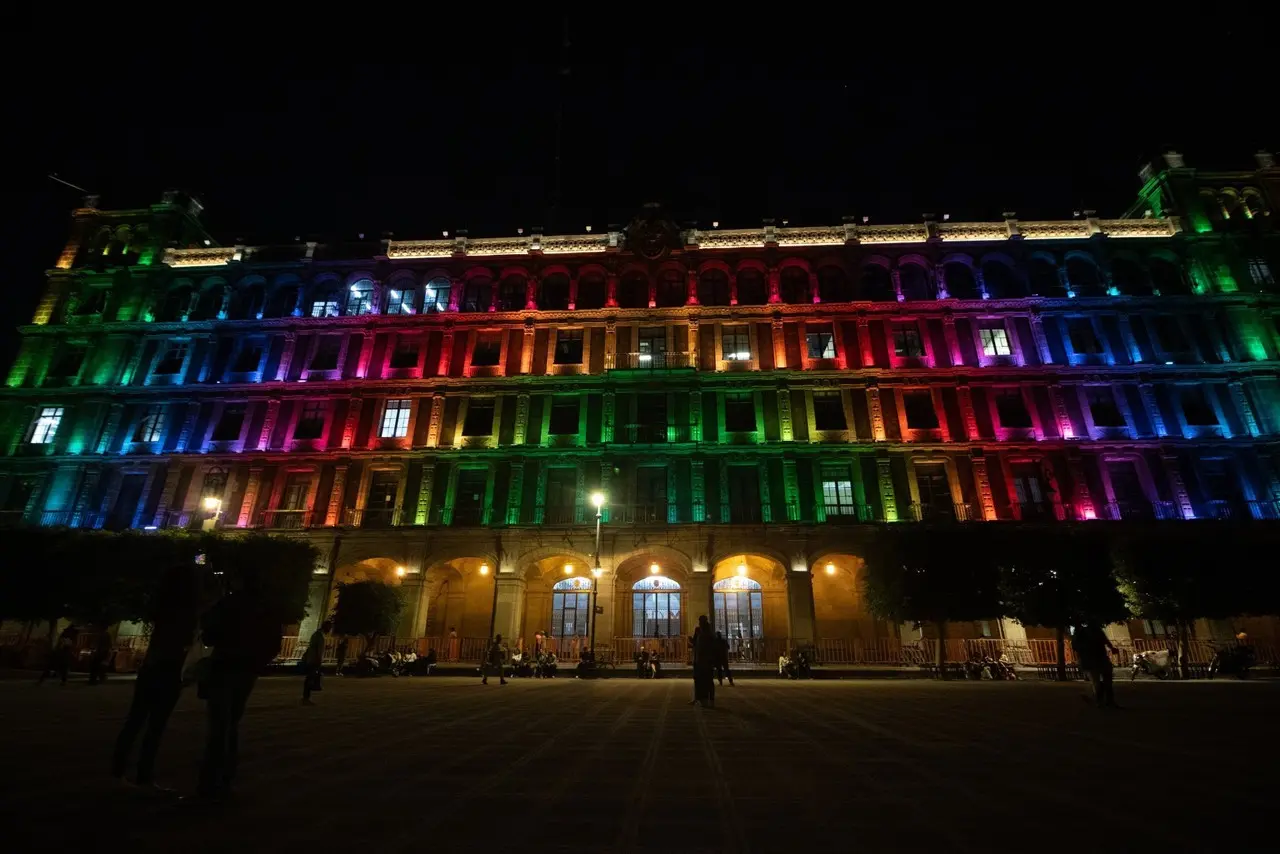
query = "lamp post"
{"x": 213, "y": 505}
{"x": 597, "y": 499}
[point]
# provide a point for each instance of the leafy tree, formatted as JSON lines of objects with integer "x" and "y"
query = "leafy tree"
{"x": 1058, "y": 577}
{"x": 932, "y": 575}
{"x": 281, "y": 568}
{"x": 368, "y": 608}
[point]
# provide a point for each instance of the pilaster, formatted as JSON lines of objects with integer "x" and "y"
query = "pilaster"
{"x": 521, "y": 420}
{"x": 353, "y": 421}
{"x": 333, "y": 516}
{"x": 800, "y": 607}
{"x": 964, "y": 396}
{"x": 779, "y": 344}
{"x": 791, "y": 490}
{"x": 1148, "y": 393}
{"x": 884, "y": 480}
{"x": 446, "y": 352}
{"x": 877, "y": 414}
{"x": 722, "y": 469}
{"x": 1042, "y": 343}
{"x": 698, "y": 488}
{"x": 952, "y": 339}
{"x": 188, "y": 426}
{"x": 366, "y": 353}
{"x": 515, "y": 492}
{"x": 437, "y": 414}
{"x": 109, "y": 428}
{"x": 245, "y": 517}
{"x": 785, "y": 430}
{"x": 526, "y": 348}
{"x": 982, "y": 482}
{"x": 168, "y": 494}
{"x": 1177, "y": 488}
{"x": 1065, "y": 430}
{"x": 864, "y": 342}
{"x": 423, "y": 513}
{"x": 1241, "y": 401}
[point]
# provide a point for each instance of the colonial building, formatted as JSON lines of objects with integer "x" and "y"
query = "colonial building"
{"x": 439, "y": 412}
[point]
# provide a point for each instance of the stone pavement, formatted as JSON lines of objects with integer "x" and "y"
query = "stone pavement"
{"x": 443, "y": 764}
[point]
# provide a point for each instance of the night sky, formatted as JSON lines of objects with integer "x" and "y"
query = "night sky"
{"x": 305, "y": 135}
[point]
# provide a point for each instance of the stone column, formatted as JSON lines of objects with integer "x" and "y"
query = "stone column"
{"x": 723, "y": 469}
{"x": 168, "y": 494}
{"x": 1148, "y": 394}
{"x": 510, "y": 608}
{"x": 188, "y": 426}
{"x": 515, "y": 492}
{"x": 884, "y": 479}
{"x": 1177, "y": 488}
{"x": 353, "y": 421}
{"x": 1128, "y": 341}
{"x": 1241, "y": 401}
{"x": 982, "y": 483}
{"x": 268, "y": 424}
{"x": 695, "y": 414}
{"x": 522, "y": 420}
{"x": 733, "y": 289}
{"x": 433, "y": 426}
{"x": 1060, "y": 412}
{"x": 366, "y": 353}
{"x": 800, "y": 607}
{"x": 698, "y": 489}
{"x": 895, "y": 276}
{"x": 791, "y": 490}
{"x": 775, "y": 281}
{"x": 876, "y": 413}
{"x": 446, "y": 352}
{"x": 610, "y": 343}
{"x": 573, "y": 292}
{"x": 1083, "y": 500}
{"x": 606, "y": 417}
{"x": 785, "y": 430}
{"x": 691, "y": 286}
{"x": 245, "y": 518}
{"x": 952, "y": 339}
{"x": 334, "y": 514}
{"x": 423, "y": 513}
{"x": 779, "y": 345}
{"x": 111, "y": 425}
{"x": 964, "y": 397}
{"x": 526, "y": 348}
{"x": 864, "y": 342}
{"x": 1042, "y": 343}
{"x": 611, "y": 290}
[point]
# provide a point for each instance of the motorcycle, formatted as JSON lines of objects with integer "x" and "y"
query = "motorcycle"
{"x": 1235, "y": 660}
{"x": 1160, "y": 663}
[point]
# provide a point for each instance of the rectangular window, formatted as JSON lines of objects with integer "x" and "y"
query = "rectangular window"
{"x": 359, "y": 301}
{"x": 837, "y": 491}
{"x": 918, "y": 406}
{"x": 248, "y": 359}
{"x": 395, "y": 419}
{"x": 150, "y": 424}
{"x": 995, "y": 341}
{"x": 175, "y": 354}
{"x": 229, "y": 424}
{"x": 1084, "y": 341}
{"x": 436, "y": 296}
{"x": 1260, "y": 272}
{"x": 735, "y": 344}
{"x": 479, "y": 420}
{"x": 739, "y": 412}
{"x": 568, "y": 347}
{"x": 487, "y": 350}
{"x": 906, "y": 341}
{"x": 1102, "y": 406}
{"x": 651, "y": 347}
{"x": 1170, "y": 334}
{"x": 324, "y": 308}
{"x": 327, "y": 351}
{"x": 820, "y": 341}
{"x": 69, "y": 362}
{"x": 562, "y": 495}
{"x": 399, "y": 301}
{"x": 828, "y": 410}
{"x": 1011, "y": 408}
{"x": 1196, "y": 407}
{"x": 405, "y": 355}
{"x": 310, "y": 420}
{"x": 20, "y": 491}
{"x": 46, "y": 425}
{"x": 564, "y": 416}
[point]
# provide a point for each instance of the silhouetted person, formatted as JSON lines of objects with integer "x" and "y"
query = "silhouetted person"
{"x": 722, "y": 659}
{"x": 341, "y": 654}
{"x": 244, "y": 632}
{"x": 155, "y": 693}
{"x": 59, "y": 661}
{"x": 1091, "y": 646}
{"x": 704, "y": 662}
{"x": 99, "y": 657}
{"x": 453, "y": 644}
{"x": 494, "y": 657}
{"x": 313, "y": 661}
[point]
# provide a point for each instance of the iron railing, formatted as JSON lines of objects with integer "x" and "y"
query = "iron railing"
{"x": 371, "y": 517}
{"x": 285, "y": 520}
{"x": 655, "y": 434}
{"x": 651, "y": 361}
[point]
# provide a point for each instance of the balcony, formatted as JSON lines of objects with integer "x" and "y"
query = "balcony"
{"x": 651, "y": 361}
{"x": 654, "y": 434}
{"x": 849, "y": 514}
{"x": 1140, "y": 511}
{"x": 941, "y": 512}
{"x": 371, "y": 517}
{"x": 285, "y": 520}
{"x": 463, "y": 517}
{"x": 1042, "y": 511}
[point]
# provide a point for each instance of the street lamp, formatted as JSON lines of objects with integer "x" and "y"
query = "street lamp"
{"x": 212, "y": 504}
{"x": 597, "y": 501}
{"x": 831, "y": 568}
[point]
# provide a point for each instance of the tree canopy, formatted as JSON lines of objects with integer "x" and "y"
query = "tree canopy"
{"x": 1058, "y": 577}
{"x": 369, "y": 608}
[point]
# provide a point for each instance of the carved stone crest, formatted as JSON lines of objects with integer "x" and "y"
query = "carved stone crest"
{"x": 651, "y": 235}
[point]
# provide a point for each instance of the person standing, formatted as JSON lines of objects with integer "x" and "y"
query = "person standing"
{"x": 102, "y": 647}
{"x": 59, "y": 661}
{"x": 341, "y": 654}
{"x": 175, "y": 617}
{"x": 722, "y": 659}
{"x": 313, "y": 661}
{"x": 453, "y": 644}
{"x": 495, "y": 657}
{"x": 1093, "y": 648}
{"x": 244, "y": 632}
{"x": 704, "y": 661}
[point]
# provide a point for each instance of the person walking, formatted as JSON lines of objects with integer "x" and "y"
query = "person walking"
{"x": 453, "y": 644}
{"x": 59, "y": 660}
{"x": 313, "y": 661}
{"x": 175, "y": 616}
{"x": 102, "y": 647}
{"x": 341, "y": 654}
{"x": 244, "y": 632}
{"x": 1093, "y": 648}
{"x": 704, "y": 661}
{"x": 495, "y": 657}
{"x": 722, "y": 659}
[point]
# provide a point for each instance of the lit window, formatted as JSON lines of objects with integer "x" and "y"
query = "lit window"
{"x": 735, "y": 344}
{"x": 995, "y": 341}
{"x": 487, "y": 350}
{"x": 569, "y": 347}
{"x": 359, "y": 299}
{"x": 399, "y": 301}
{"x": 324, "y": 308}
{"x": 395, "y": 419}
{"x": 1260, "y": 272}
{"x": 437, "y": 295}
{"x": 149, "y": 425}
{"x": 906, "y": 341}
{"x": 175, "y": 355}
{"x": 46, "y": 425}
{"x": 820, "y": 342}
{"x": 310, "y": 420}
{"x": 837, "y": 491}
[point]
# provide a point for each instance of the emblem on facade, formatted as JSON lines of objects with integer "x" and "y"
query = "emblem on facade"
{"x": 651, "y": 235}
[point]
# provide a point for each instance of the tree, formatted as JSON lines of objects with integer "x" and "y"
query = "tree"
{"x": 1058, "y": 577}
{"x": 282, "y": 568}
{"x": 932, "y": 575}
{"x": 367, "y": 608}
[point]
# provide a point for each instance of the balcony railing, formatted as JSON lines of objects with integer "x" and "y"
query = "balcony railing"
{"x": 849, "y": 514}
{"x": 1139, "y": 511}
{"x": 654, "y": 434}
{"x": 70, "y": 519}
{"x": 651, "y": 361}
{"x": 371, "y": 517}
{"x": 285, "y": 520}
{"x": 939, "y": 512}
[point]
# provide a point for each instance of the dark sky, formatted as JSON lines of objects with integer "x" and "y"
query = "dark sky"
{"x": 420, "y": 124}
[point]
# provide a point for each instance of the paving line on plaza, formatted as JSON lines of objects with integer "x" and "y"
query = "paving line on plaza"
{"x": 730, "y": 821}
{"x": 629, "y": 833}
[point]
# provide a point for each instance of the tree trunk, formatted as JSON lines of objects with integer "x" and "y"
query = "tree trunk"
{"x": 1061, "y": 637}
{"x": 1184, "y": 651}
{"x": 940, "y": 656}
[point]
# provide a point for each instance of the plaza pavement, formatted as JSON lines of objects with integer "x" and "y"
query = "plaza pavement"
{"x": 444, "y": 764}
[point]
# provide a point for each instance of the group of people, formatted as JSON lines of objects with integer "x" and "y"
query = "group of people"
{"x": 710, "y": 663}
{"x": 64, "y": 651}
{"x": 794, "y": 665}
{"x": 217, "y": 639}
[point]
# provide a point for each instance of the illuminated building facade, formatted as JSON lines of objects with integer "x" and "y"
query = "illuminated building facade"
{"x": 439, "y": 411}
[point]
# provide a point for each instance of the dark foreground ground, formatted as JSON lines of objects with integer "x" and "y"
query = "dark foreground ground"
{"x": 443, "y": 764}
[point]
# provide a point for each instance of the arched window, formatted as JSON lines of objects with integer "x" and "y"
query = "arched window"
{"x": 633, "y": 290}
{"x": 1083, "y": 275}
{"x": 325, "y": 301}
{"x": 593, "y": 292}
{"x": 1001, "y": 281}
{"x": 655, "y": 608}
{"x": 571, "y": 608}
{"x": 1167, "y": 278}
{"x": 512, "y": 293}
{"x": 876, "y": 284}
{"x": 960, "y": 281}
{"x": 1129, "y": 278}
{"x": 713, "y": 287}
{"x": 477, "y": 295}
{"x": 359, "y": 298}
{"x": 208, "y": 305}
{"x": 436, "y": 295}
{"x": 752, "y": 289}
{"x": 176, "y": 304}
{"x": 794, "y": 287}
{"x": 917, "y": 284}
{"x": 281, "y": 302}
{"x": 1044, "y": 279}
{"x": 739, "y": 609}
{"x": 553, "y": 292}
{"x": 673, "y": 290}
{"x": 834, "y": 285}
